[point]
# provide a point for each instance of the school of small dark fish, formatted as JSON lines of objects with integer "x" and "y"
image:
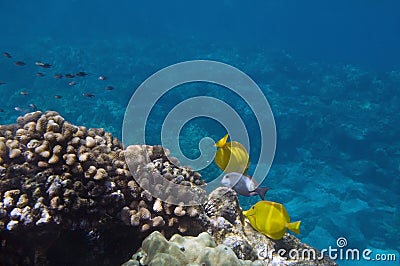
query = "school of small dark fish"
{"x": 70, "y": 77}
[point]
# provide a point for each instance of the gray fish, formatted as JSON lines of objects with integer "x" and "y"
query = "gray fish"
{"x": 5, "y": 54}
{"x": 243, "y": 185}
{"x": 33, "y": 106}
{"x": 41, "y": 64}
{"x": 81, "y": 74}
{"x": 89, "y": 95}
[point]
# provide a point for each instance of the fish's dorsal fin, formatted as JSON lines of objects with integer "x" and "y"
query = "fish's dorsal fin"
{"x": 221, "y": 143}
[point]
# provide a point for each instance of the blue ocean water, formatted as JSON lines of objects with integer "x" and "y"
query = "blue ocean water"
{"x": 330, "y": 71}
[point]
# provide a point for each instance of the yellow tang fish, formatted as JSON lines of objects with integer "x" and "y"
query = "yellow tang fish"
{"x": 271, "y": 219}
{"x": 231, "y": 156}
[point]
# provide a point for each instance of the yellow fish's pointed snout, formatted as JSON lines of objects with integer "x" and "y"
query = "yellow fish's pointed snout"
{"x": 221, "y": 143}
{"x": 271, "y": 219}
{"x": 294, "y": 227}
{"x": 249, "y": 212}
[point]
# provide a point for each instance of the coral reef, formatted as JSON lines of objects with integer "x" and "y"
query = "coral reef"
{"x": 229, "y": 240}
{"x": 162, "y": 179}
{"x": 335, "y": 121}
{"x": 67, "y": 196}
{"x": 196, "y": 251}
{"x": 57, "y": 175}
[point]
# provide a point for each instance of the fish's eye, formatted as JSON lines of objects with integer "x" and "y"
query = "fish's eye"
{"x": 252, "y": 207}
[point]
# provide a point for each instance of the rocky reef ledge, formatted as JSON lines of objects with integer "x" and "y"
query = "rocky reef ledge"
{"x": 67, "y": 197}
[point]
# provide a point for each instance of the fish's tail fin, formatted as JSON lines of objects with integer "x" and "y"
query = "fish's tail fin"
{"x": 294, "y": 227}
{"x": 221, "y": 143}
{"x": 261, "y": 191}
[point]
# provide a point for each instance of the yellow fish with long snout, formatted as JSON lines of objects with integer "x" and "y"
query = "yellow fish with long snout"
{"x": 231, "y": 156}
{"x": 271, "y": 219}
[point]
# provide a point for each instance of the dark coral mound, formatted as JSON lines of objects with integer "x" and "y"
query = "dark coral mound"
{"x": 67, "y": 186}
